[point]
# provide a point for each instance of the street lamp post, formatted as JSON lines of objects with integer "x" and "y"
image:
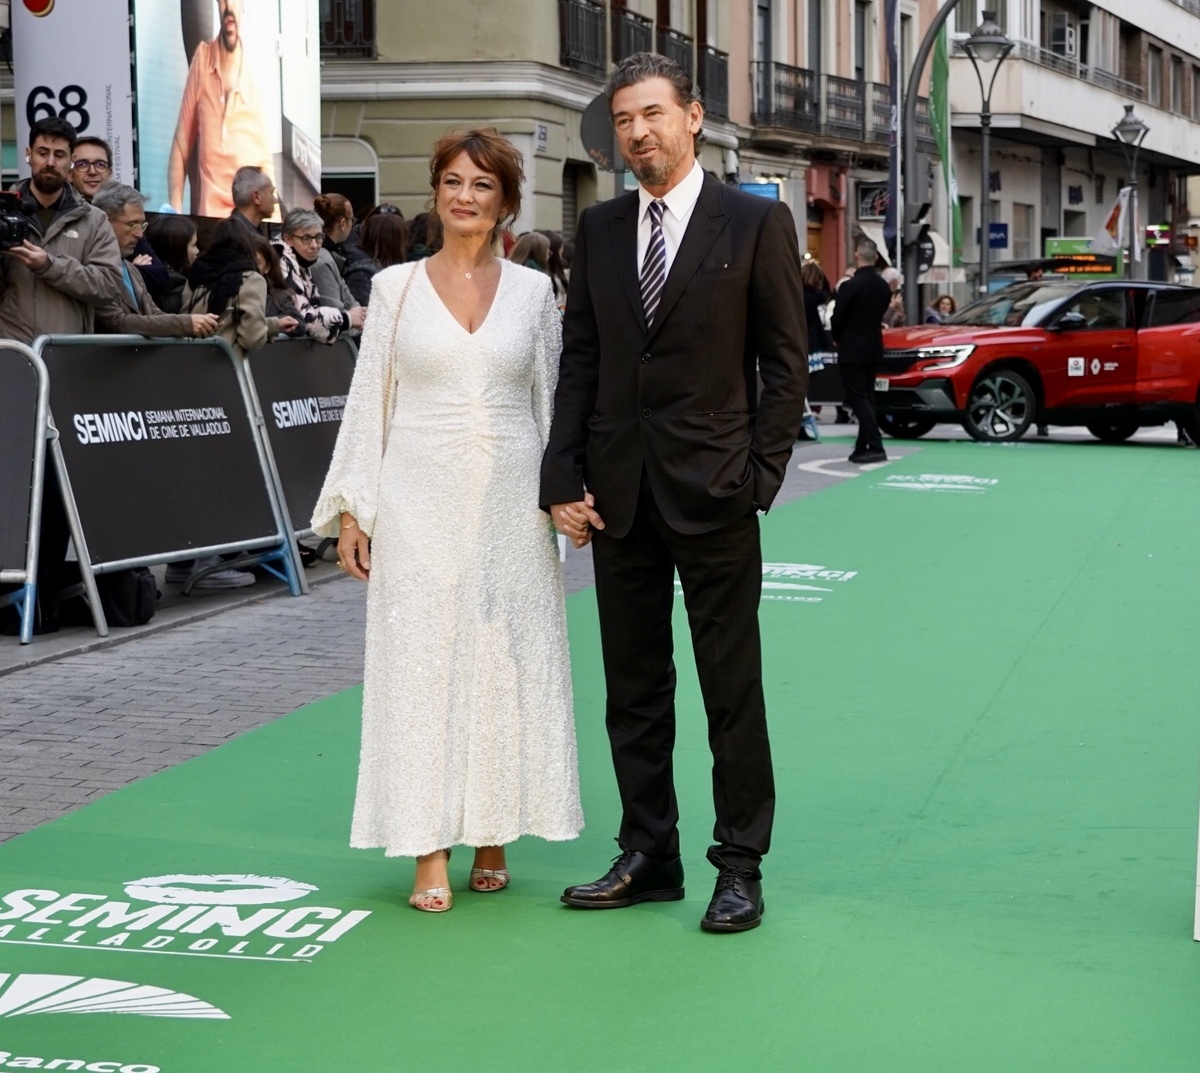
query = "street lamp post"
{"x": 987, "y": 44}
{"x": 1131, "y": 132}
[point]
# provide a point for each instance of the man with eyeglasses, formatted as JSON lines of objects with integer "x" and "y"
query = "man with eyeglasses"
{"x": 134, "y": 311}
{"x": 91, "y": 169}
{"x": 91, "y": 166}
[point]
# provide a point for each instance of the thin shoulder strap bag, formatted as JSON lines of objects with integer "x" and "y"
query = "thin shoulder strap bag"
{"x": 390, "y": 374}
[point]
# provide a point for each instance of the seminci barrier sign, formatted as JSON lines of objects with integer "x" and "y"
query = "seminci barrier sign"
{"x": 162, "y": 451}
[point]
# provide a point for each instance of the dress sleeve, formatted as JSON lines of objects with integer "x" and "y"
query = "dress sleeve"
{"x": 547, "y": 351}
{"x": 352, "y": 483}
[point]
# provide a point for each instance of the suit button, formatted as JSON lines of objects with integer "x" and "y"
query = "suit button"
{"x": 647, "y": 413}
{"x": 647, "y": 358}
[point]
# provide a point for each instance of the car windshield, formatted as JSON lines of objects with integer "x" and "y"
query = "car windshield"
{"x": 1019, "y": 305}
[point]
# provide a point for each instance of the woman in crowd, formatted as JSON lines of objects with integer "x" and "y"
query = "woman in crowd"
{"x": 282, "y": 314}
{"x": 329, "y": 269}
{"x": 422, "y": 237}
{"x": 303, "y": 234}
{"x": 942, "y": 307}
{"x": 532, "y": 250}
{"x": 558, "y": 265}
{"x": 383, "y": 241}
{"x": 173, "y": 238}
{"x": 821, "y": 353}
{"x": 468, "y": 733}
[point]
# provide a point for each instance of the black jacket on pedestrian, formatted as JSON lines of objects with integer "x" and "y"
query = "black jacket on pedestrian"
{"x": 857, "y": 324}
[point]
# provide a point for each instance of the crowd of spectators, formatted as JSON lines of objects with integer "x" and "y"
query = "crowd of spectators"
{"x": 95, "y": 263}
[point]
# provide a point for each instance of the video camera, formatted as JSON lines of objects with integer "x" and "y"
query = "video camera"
{"x": 14, "y": 221}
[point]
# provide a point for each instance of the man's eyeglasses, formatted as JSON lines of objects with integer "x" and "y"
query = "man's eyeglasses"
{"x": 90, "y": 165}
{"x": 137, "y": 226}
{"x": 308, "y": 240}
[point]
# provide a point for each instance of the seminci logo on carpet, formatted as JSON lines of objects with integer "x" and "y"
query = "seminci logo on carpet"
{"x": 225, "y": 915}
{"x": 955, "y": 483}
{"x": 793, "y": 582}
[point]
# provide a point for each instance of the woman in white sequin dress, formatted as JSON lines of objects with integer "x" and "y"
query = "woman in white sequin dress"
{"x": 468, "y": 733}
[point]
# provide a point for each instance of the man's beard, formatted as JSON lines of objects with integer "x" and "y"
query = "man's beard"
{"x": 650, "y": 174}
{"x": 229, "y": 37}
{"x": 48, "y": 182}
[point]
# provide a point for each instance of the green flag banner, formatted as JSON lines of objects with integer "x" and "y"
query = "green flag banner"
{"x": 939, "y": 112}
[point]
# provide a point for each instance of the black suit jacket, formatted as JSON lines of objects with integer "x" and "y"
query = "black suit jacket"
{"x": 680, "y": 399}
{"x": 857, "y": 322}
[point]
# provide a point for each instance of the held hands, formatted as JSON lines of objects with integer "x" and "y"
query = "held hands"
{"x": 204, "y": 324}
{"x": 577, "y": 520}
{"x": 353, "y": 548}
{"x": 357, "y": 315}
{"x": 31, "y": 256}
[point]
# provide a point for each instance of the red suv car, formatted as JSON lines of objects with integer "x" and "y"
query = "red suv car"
{"x": 1113, "y": 356}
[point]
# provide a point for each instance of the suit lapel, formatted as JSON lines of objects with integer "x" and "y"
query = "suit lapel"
{"x": 623, "y": 234}
{"x": 707, "y": 222}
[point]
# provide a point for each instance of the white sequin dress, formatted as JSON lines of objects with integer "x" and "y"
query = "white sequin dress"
{"x": 468, "y": 734}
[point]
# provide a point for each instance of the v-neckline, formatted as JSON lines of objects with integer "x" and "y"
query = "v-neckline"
{"x": 446, "y": 309}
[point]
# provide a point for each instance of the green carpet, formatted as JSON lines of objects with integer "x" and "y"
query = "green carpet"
{"x": 984, "y": 718}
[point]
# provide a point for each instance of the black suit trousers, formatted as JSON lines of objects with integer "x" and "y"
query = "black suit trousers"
{"x": 721, "y": 576}
{"x": 859, "y": 384}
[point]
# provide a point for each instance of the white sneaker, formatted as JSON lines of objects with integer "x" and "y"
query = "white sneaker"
{"x": 178, "y": 574}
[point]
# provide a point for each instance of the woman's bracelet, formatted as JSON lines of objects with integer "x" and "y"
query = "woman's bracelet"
{"x": 352, "y": 525}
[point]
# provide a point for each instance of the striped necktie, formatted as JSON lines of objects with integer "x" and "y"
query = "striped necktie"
{"x": 654, "y": 265}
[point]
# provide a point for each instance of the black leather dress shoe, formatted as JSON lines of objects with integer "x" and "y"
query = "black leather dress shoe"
{"x": 737, "y": 902}
{"x": 633, "y": 878}
{"x": 868, "y": 455}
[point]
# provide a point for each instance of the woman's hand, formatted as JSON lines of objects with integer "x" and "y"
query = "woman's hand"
{"x": 353, "y": 548}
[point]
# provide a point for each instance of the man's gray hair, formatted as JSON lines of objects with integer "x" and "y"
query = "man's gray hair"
{"x": 644, "y": 65}
{"x": 866, "y": 251}
{"x": 113, "y": 196}
{"x": 299, "y": 219}
{"x": 247, "y": 182}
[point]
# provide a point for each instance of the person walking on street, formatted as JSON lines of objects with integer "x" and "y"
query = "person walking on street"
{"x": 857, "y": 329}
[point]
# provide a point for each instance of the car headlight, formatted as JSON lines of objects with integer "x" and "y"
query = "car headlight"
{"x": 945, "y": 357}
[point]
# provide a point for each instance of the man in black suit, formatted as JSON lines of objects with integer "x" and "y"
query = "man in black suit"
{"x": 857, "y": 329}
{"x": 662, "y": 452}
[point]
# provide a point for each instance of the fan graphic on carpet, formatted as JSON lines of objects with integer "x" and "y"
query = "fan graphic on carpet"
{"x": 30, "y": 992}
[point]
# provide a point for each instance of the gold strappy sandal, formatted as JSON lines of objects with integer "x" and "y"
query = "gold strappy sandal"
{"x": 441, "y": 899}
{"x": 480, "y": 876}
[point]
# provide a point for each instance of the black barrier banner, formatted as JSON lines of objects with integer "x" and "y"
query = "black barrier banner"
{"x": 159, "y": 447}
{"x": 302, "y": 388}
{"x": 18, "y": 441}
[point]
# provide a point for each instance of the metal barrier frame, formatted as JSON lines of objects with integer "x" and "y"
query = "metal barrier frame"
{"x": 25, "y": 598}
{"x": 281, "y": 558}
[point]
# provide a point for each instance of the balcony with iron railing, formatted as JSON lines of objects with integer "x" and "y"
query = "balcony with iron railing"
{"x": 678, "y": 47}
{"x": 582, "y": 27}
{"x": 844, "y": 112}
{"x": 1071, "y": 66}
{"x": 347, "y": 29}
{"x": 714, "y": 81}
{"x": 879, "y": 118}
{"x": 785, "y": 98}
{"x": 926, "y": 142}
{"x": 631, "y": 33}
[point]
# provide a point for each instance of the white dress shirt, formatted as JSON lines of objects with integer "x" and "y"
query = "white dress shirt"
{"x": 680, "y": 200}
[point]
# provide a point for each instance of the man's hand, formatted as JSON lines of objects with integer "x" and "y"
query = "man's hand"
{"x": 204, "y": 324}
{"x": 357, "y": 315}
{"x": 577, "y": 520}
{"x": 288, "y": 324}
{"x": 31, "y": 256}
{"x": 142, "y": 260}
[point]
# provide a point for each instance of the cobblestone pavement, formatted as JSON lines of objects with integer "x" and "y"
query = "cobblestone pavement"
{"x": 95, "y": 716}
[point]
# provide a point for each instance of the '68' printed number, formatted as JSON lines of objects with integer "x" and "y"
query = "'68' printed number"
{"x": 40, "y": 104}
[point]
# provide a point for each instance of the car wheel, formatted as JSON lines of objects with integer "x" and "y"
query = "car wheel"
{"x": 1113, "y": 431}
{"x": 905, "y": 428}
{"x": 1000, "y": 407}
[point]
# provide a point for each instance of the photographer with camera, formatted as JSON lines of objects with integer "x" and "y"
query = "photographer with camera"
{"x": 59, "y": 257}
{"x": 59, "y": 260}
